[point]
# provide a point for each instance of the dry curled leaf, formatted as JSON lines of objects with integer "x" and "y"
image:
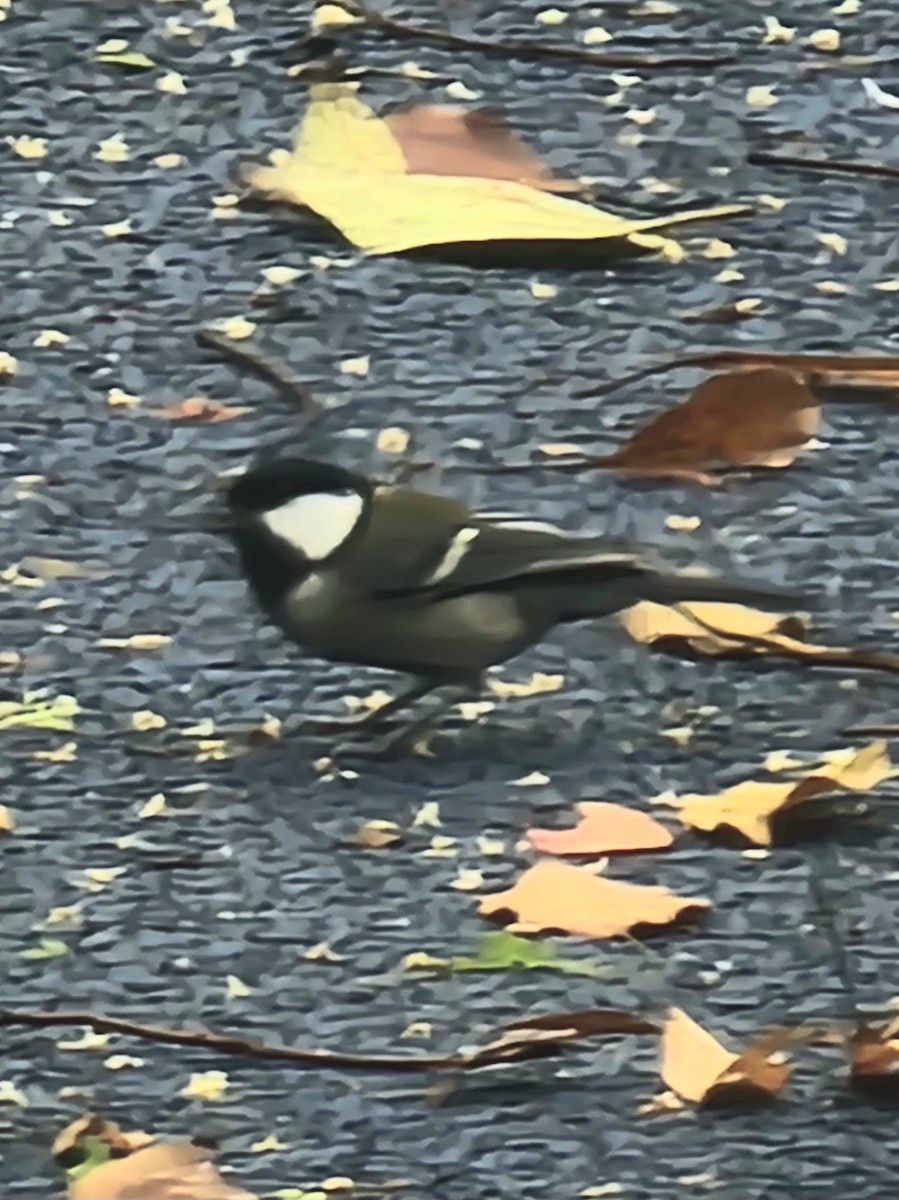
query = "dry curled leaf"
{"x": 742, "y": 418}
{"x": 443, "y": 139}
{"x": 348, "y": 166}
{"x": 603, "y": 829}
{"x": 753, "y": 808}
{"x": 734, "y": 631}
{"x": 553, "y": 896}
{"x": 698, "y": 1068}
{"x": 874, "y": 1060}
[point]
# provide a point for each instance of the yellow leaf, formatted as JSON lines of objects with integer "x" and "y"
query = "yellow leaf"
{"x": 206, "y": 1085}
{"x": 347, "y": 166}
{"x": 7, "y": 821}
{"x": 825, "y": 40}
{"x": 760, "y": 96}
{"x": 29, "y": 147}
{"x": 50, "y": 337}
{"x": 9, "y": 365}
{"x": 238, "y": 328}
{"x": 393, "y": 440}
{"x": 326, "y": 15}
{"x": 172, "y": 83}
{"x": 113, "y": 149}
{"x": 236, "y": 989}
{"x": 749, "y": 807}
{"x": 122, "y": 57}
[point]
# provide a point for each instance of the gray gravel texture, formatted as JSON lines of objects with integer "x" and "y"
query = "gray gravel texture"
{"x": 480, "y": 370}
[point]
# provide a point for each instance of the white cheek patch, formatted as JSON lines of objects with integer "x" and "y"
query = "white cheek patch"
{"x": 316, "y": 524}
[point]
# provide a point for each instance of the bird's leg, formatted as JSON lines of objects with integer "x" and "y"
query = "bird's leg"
{"x": 376, "y": 717}
{"x": 404, "y": 739}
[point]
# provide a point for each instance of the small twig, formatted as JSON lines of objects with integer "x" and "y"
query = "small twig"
{"x": 250, "y": 360}
{"x": 834, "y": 166}
{"x": 871, "y": 731}
{"x": 519, "y": 1042}
{"x": 826, "y": 919}
{"x": 513, "y": 48}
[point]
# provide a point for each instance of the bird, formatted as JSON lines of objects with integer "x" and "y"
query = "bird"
{"x": 384, "y": 575}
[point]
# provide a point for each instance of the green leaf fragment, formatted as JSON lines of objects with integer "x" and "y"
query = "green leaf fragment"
{"x": 37, "y": 711}
{"x": 47, "y": 948}
{"x": 502, "y": 951}
{"x": 96, "y": 1153}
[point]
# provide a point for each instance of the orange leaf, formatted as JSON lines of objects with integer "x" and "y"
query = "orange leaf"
{"x": 163, "y": 1171}
{"x": 735, "y": 631}
{"x": 697, "y": 1067}
{"x": 743, "y": 418}
{"x": 199, "y": 408}
{"x": 557, "y": 896}
{"x": 445, "y": 139}
{"x": 603, "y": 829}
{"x": 751, "y": 808}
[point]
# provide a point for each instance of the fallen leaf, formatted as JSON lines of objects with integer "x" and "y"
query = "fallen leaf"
{"x": 376, "y": 835}
{"x": 137, "y": 641}
{"x": 102, "y": 1160}
{"x": 200, "y": 408}
{"x": 733, "y": 631}
{"x": 236, "y": 989}
{"x": 7, "y": 820}
{"x": 113, "y": 150}
{"x": 348, "y": 166}
{"x": 760, "y": 96}
{"x": 237, "y": 328}
{"x": 504, "y": 951}
{"x": 603, "y": 829}
{"x": 754, "y": 808}
{"x": 438, "y": 139}
{"x": 28, "y": 147}
{"x": 36, "y": 712}
{"x": 117, "y": 229}
{"x": 120, "y": 1062}
{"x": 206, "y": 1085}
{"x": 393, "y": 440}
{"x": 117, "y": 52}
{"x": 9, "y": 365}
{"x": 777, "y": 33}
{"x": 551, "y": 16}
{"x": 172, "y": 83}
{"x": 156, "y": 806}
{"x": 876, "y": 93}
{"x": 356, "y": 366}
{"x": 166, "y": 162}
{"x": 874, "y": 1061}
{"x": 741, "y": 418}
{"x": 825, "y": 40}
{"x": 534, "y": 779}
{"x": 428, "y": 814}
{"x": 596, "y": 36}
{"x": 556, "y": 896}
{"x": 726, "y": 314}
{"x": 696, "y": 1067}
{"x": 329, "y": 15}
{"x": 46, "y": 948}
{"x": 538, "y": 684}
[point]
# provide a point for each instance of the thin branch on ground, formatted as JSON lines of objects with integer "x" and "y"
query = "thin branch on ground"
{"x": 520, "y": 1042}
{"x": 832, "y": 166}
{"x": 513, "y": 48}
{"x": 269, "y": 372}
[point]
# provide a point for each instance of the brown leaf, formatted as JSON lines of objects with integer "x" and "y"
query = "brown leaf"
{"x": 603, "y": 829}
{"x": 163, "y": 1171}
{"x": 376, "y": 835}
{"x": 874, "y": 1061}
{"x": 200, "y": 408}
{"x": 557, "y": 896}
{"x": 726, "y": 314}
{"x": 751, "y": 808}
{"x": 446, "y": 139}
{"x": 742, "y": 418}
{"x": 698, "y": 1068}
{"x": 734, "y": 631}
{"x": 7, "y": 820}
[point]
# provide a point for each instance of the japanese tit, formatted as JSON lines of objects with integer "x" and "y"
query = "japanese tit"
{"x": 392, "y": 577}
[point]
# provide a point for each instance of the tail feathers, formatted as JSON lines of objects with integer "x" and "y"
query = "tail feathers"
{"x": 678, "y": 589}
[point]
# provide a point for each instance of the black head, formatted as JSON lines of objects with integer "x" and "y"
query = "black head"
{"x": 271, "y": 485}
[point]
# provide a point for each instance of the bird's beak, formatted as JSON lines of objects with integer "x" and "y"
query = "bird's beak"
{"x": 221, "y": 523}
